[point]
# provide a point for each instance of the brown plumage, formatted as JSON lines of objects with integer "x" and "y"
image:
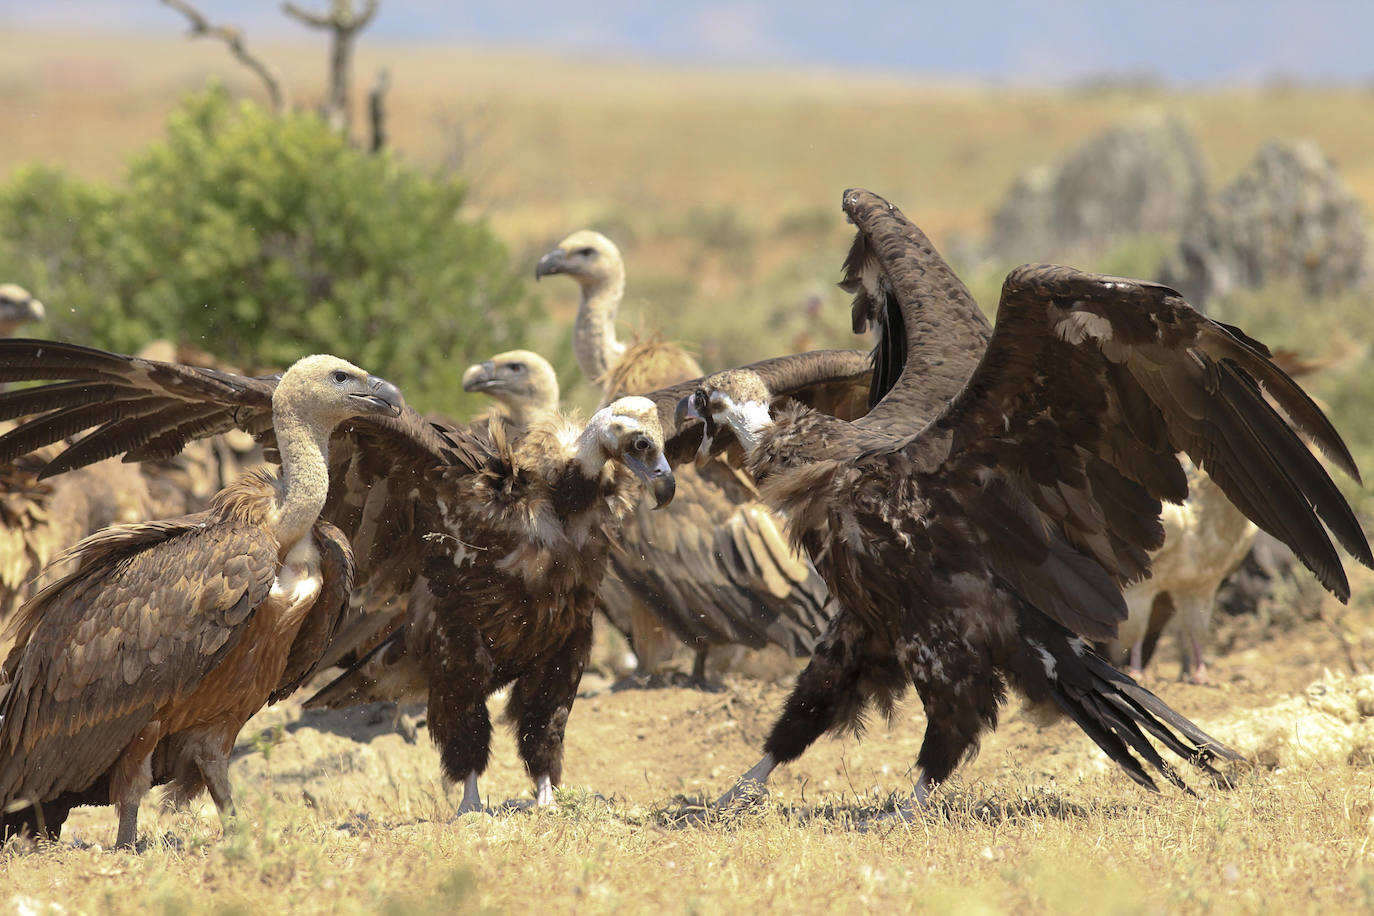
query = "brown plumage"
{"x": 520, "y": 546}
{"x": 714, "y": 570}
{"x": 506, "y": 540}
{"x": 143, "y": 664}
{"x": 970, "y": 553}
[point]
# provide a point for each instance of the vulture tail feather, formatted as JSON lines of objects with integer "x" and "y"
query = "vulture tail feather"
{"x": 1114, "y": 711}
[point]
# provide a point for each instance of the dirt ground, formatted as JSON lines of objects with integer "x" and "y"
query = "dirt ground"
{"x": 1284, "y": 695}
{"x": 341, "y": 813}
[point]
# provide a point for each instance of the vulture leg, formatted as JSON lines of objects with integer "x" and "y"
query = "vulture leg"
{"x": 214, "y": 769}
{"x": 130, "y": 779}
{"x": 919, "y": 800}
{"x": 699, "y": 665}
{"x": 847, "y": 671}
{"x": 461, "y": 676}
{"x": 539, "y": 705}
{"x": 751, "y": 785}
{"x": 1194, "y": 624}
{"x": 1137, "y": 669}
{"x": 464, "y": 739}
{"x": 471, "y": 800}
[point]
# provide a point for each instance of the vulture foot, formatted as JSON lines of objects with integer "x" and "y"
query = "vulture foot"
{"x": 749, "y": 790}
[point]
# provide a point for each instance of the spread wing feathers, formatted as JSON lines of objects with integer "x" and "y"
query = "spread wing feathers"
{"x": 1073, "y": 418}
{"x": 146, "y": 408}
{"x": 716, "y": 569}
{"x": 939, "y": 343}
{"x": 317, "y": 631}
{"x": 150, "y": 610}
{"x": 835, "y": 382}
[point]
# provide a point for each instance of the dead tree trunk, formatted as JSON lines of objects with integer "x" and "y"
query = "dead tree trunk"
{"x": 345, "y": 21}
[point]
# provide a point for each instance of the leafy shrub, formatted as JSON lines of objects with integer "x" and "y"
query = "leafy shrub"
{"x": 261, "y": 239}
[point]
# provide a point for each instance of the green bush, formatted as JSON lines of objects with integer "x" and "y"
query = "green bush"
{"x": 261, "y": 239}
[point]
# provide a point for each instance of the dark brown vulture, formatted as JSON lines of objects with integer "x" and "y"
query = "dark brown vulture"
{"x": 979, "y": 550}
{"x": 144, "y": 663}
{"x": 506, "y": 540}
{"x": 715, "y": 569}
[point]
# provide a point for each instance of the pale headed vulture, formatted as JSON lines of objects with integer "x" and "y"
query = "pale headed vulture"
{"x": 143, "y": 664}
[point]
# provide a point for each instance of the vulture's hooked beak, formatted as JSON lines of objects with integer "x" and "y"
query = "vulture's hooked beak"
{"x": 480, "y": 377}
{"x": 659, "y": 478}
{"x": 687, "y": 410}
{"x": 383, "y": 397}
{"x": 551, "y": 263}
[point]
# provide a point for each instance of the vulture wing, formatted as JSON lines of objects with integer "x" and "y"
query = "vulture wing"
{"x": 145, "y": 409}
{"x": 1067, "y": 434}
{"x": 936, "y": 341}
{"x": 100, "y": 651}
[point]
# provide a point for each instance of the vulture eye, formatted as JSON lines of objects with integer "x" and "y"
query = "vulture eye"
{"x": 642, "y": 444}
{"x": 340, "y": 376}
{"x": 586, "y": 252}
{"x": 517, "y": 367}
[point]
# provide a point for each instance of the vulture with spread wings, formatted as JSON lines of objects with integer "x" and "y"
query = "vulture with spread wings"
{"x": 143, "y": 663}
{"x": 977, "y": 550}
{"x": 507, "y": 539}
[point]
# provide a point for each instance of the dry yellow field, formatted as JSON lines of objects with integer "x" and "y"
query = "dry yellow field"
{"x": 341, "y": 815}
{"x": 723, "y": 190}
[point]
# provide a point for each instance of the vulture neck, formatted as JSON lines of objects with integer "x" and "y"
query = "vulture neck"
{"x": 591, "y": 452}
{"x": 749, "y": 421}
{"x": 594, "y": 342}
{"x": 304, "y": 482}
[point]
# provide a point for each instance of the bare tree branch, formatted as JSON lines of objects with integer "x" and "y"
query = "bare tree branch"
{"x": 346, "y": 22}
{"x": 376, "y": 108}
{"x": 233, "y": 39}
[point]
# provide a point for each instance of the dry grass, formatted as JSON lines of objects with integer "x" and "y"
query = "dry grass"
{"x": 342, "y": 816}
{"x": 723, "y": 189}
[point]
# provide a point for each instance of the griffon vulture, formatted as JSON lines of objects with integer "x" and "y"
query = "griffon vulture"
{"x": 508, "y": 539}
{"x": 715, "y": 569}
{"x": 1205, "y": 539}
{"x": 980, "y": 550}
{"x": 521, "y": 380}
{"x": 145, "y": 661}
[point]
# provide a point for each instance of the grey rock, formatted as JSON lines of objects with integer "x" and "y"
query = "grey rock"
{"x": 1145, "y": 176}
{"x": 1288, "y": 217}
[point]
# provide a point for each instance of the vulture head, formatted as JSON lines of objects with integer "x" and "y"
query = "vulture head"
{"x": 17, "y": 307}
{"x": 736, "y": 400}
{"x": 588, "y": 257}
{"x": 521, "y": 380}
{"x": 628, "y": 430}
{"x": 326, "y": 390}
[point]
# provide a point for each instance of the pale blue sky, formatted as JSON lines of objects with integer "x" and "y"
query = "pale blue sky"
{"x": 1049, "y": 41}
